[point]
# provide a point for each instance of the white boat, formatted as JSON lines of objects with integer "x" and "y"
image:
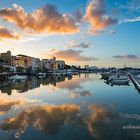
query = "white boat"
{"x": 64, "y": 73}
{"x": 137, "y": 76}
{"x": 18, "y": 77}
{"x": 69, "y": 72}
{"x": 105, "y": 75}
{"x": 41, "y": 75}
{"x": 119, "y": 77}
{"x": 120, "y": 81}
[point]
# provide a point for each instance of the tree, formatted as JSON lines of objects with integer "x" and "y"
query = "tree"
{"x": 19, "y": 69}
{"x": 1, "y": 60}
{"x": 67, "y": 67}
{"x": 29, "y": 70}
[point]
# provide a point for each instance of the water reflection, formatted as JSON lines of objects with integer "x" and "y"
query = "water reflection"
{"x": 6, "y": 105}
{"x": 77, "y": 94}
{"x": 100, "y": 122}
{"x": 32, "y": 83}
{"x": 81, "y": 108}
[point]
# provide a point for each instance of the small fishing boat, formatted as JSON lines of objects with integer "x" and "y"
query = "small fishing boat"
{"x": 106, "y": 75}
{"x": 117, "y": 77}
{"x": 137, "y": 77}
{"x": 18, "y": 77}
{"x": 69, "y": 72}
{"x": 120, "y": 81}
{"x": 41, "y": 75}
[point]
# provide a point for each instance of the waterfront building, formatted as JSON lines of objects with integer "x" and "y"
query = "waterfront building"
{"x": 52, "y": 64}
{"x": 45, "y": 63}
{"x": 26, "y": 62}
{"x": 23, "y": 61}
{"x": 7, "y": 68}
{"x": 59, "y": 64}
{"x": 8, "y": 58}
{"x": 35, "y": 63}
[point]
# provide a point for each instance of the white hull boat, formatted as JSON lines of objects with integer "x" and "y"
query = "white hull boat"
{"x": 120, "y": 81}
{"x": 18, "y": 77}
{"x": 69, "y": 72}
{"x": 115, "y": 77}
{"x": 41, "y": 75}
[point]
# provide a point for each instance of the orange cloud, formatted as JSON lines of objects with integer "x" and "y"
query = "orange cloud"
{"x": 50, "y": 119}
{"x": 99, "y": 120}
{"x": 45, "y": 118}
{"x": 6, "y": 34}
{"x": 97, "y": 17}
{"x": 46, "y": 19}
{"x": 69, "y": 55}
{"x": 6, "y": 105}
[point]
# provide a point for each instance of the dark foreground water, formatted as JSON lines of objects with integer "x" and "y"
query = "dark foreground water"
{"x": 58, "y": 108}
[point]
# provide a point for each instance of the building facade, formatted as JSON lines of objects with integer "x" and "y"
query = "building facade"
{"x": 8, "y": 58}
{"x": 52, "y": 64}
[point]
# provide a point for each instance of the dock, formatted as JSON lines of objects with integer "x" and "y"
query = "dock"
{"x": 134, "y": 81}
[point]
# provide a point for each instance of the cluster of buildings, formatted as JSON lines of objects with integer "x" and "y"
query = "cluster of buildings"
{"x": 25, "y": 62}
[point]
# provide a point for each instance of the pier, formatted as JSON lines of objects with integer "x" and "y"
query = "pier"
{"x": 134, "y": 81}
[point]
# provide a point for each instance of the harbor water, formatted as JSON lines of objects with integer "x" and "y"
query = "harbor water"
{"x": 82, "y": 107}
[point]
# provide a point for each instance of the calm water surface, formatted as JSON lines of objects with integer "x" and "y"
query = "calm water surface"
{"x": 58, "y": 108}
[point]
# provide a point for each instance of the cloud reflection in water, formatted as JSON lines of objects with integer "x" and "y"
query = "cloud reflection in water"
{"x": 100, "y": 121}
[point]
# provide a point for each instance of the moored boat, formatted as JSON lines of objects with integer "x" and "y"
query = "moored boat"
{"x": 18, "y": 77}
{"x": 69, "y": 72}
{"x": 41, "y": 75}
{"x": 120, "y": 81}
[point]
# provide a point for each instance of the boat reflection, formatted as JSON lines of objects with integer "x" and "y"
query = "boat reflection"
{"x": 29, "y": 84}
{"x": 32, "y": 83}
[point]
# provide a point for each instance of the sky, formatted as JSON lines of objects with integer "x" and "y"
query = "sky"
{"x": 101, "y": 33}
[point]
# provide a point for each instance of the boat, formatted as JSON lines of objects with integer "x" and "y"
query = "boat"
{"x": 137, "y": 77}
{"x": 64, "y": 73}
{"x": 105, "y": 75}
{"x": 41, "y": 75}
{"x": 119, "y": 81}
{"x": 117, "y": 77}
{"x": 18, "y": 77}
{"x": 69, "y": 72}
{"x": 134, "y": 72}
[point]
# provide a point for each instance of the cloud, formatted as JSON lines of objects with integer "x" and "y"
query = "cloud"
{"x": 78, "y": 15}
{"x": 98, "y": 119}
{"x": 45, "y": 19}
{"x": 82, "y": 45}
{"x": 30, "y": 39}
{"x": 6, "y": 34}
{"x": 46, "y": 118}
{"x": 6, "y": 105}
{"x": 69, "y": 55}
{"x": 97, "y": 17}
{"x": 135, "y": 19}
{"x": 77, "y": 94}
{"x": 74, "y": 84}
{"x": 112, "y": 32}
{"x": 128, "y": 56}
